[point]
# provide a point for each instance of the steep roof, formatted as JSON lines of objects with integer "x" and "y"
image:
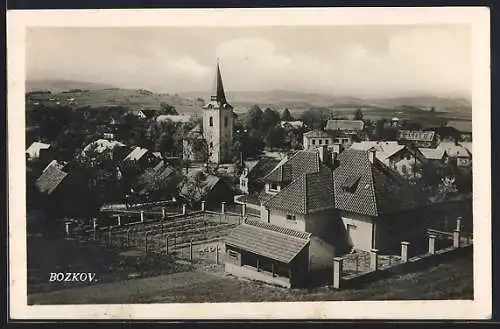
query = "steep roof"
{"x": 344, "y": 125}
{"x": 309, "y": 193}
{"x": 369, "y": 189}
{"x": 460, "y": 125}
{"x": 454, "y": 150}
{"x": 384, "y": 150}
{"x": 34, "y": 149}
{"x": 136, "y": 154}
{"x": 218, "y": 98}
{"x": 206, "y": 185}
{"x": 305, "y": 161}
{"x": 316, "y": 133}
{"x": 50, "y": 179}
{"x": 257, "y": 170}
{"x": 432, "y": 153}
{"x": 268, "y": 240}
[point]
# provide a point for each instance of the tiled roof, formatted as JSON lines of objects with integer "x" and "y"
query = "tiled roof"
{"x": 50, "y": 179}
{"x": 344, "y": 125}
{"x": 384, "y": 150}
{"x": 136, "y": 154}
{"x": 462, "y": 126}
{"x": 258, "y": 170}
{"x": 34, "y": 149}
{"x": 308, "y": 193}
{"x": 268, "y": 240}
{"x": 453, "y": 150}
{"x": 316, "y": 133}
{"x": 306, "y": 161}
{"x": 416, "y": 135}
{"x": 432, "y": 153}
{"x": 377, "y": 191}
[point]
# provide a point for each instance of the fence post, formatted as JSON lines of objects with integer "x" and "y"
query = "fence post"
{"x": 202, "y": 205}
{"x": 109, "y": 236}
{"x": 191, "y": 250}
{"x": 166, "y": 244}
{"x": 66, "y": 224}
{"x": 162, "y": 212}
{"x": 146, "y": 242}
{"x": 184, "y": 209}
{"x": 94, "y": 223}
{"x": 432, "y": 244}
{"x": 119, "y": 220}
{"x": 243, "y": 210}
{"x": 217, "y": 254}
{"x": 128, "y": 238}
{"x": 142, "y": 215}
{"x": 222, "y": 207}
{"x": 373, "y": 259}
{"x": 337, "y": 272}
{"x": 404, "y": 251}
{"x": 459, "y": 223}
{"x": 456, "y": 238}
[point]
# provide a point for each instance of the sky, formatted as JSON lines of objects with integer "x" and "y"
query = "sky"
{"x": 357, "y": 61}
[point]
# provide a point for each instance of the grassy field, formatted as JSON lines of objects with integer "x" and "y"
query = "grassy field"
{"x": 450, "y": 280}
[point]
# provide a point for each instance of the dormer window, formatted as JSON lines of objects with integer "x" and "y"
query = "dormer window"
{"x": 350, "y": 184}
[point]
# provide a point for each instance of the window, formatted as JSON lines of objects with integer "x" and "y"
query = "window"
{"x": 211, "y": 144}
{"x": 291, "y": 218}
{"x": 243, "y": 183}
{"x": 225, "y": 121}
{"x": 233, "y": 254}
{"x": 326, "y": 141}
{"x": 351, "y": 183}
{"x": 351, "y": 228}
{"x": 314, "y": 142}
{"x": 273, "y": 186}
{"x": 211, "y": 122}
{"x": 408, "y": 157}
{"x": 320, "y": 141}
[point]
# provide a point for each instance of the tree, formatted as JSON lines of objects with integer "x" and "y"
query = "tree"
{"x": 168, "y": 109}
{"x": 254, "y": 118}
{"x": 286, "y": 116}
{"x": 275, "y": 137}
{"x": 358, "y": 115}
{"x": 269, "y": 119}
{"x": 315, "y": 118}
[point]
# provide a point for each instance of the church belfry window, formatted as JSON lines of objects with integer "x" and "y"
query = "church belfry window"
{"x": 211, "y": 121}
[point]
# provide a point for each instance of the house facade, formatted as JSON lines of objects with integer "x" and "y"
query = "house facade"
{"x": 316, "y": 138}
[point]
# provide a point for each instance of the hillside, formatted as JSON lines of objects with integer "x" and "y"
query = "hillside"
{"x": 56, "y": 86}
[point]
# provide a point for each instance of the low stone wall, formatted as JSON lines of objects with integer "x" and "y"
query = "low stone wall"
{"x": 413, "y": 264}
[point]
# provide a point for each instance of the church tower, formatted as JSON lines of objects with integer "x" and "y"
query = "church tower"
{"x": 218, "y": 123}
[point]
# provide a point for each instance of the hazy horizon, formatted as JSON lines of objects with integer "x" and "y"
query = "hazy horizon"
{"x": 355, "y": 61}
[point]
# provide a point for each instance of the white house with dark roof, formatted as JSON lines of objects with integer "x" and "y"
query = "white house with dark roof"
{"x": 458, "y": 153}
{"x": 399, "y": 157}
{"x": 436, "y": 155}
{"x": 316, "y": 138}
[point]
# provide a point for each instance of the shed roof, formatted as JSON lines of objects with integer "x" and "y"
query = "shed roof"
{"x": 50, "y": 179}
{"x": 316, "y": 133}
{"x": 432, "y": 153}
{"x": 268, "y": 240}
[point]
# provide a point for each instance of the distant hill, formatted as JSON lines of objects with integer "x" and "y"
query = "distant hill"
{"x": 56, "y": 86}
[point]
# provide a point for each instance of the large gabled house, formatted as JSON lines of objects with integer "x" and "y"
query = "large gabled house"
{"x": 252, "y": 176}
{"x": 375, "y": 204}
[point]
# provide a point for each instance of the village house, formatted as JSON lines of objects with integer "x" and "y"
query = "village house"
{"x": 199, "y": 186}
{"x": 434, "y": 155}
{"x": 316, "y": 138}
{"x": 157, "y": 182}
{"x": 457, "y": 153}
{"x": 418, "y": 138}
{"x": 344, "y": 131}
{"x": 402, "y": 158}
{"x": 252, "y": 176}
{"x": 142, "y": 157}
{"x": 38, "y": 150}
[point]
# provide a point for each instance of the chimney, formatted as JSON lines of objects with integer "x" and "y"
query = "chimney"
{"x": 371, "y": 155}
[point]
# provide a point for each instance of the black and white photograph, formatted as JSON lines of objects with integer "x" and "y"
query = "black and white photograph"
{"x": 187, "y": 159}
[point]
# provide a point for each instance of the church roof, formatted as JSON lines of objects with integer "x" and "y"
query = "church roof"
{"x": 218, "y": 98}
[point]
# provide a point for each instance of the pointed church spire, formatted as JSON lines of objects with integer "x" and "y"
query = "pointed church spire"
{"x": 218, "y": 94}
